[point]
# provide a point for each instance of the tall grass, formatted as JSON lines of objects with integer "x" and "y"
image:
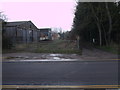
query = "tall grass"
{"x": 113, "y": 48}
{"x": 57, "y": 46}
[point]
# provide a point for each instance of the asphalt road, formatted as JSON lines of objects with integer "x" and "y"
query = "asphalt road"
{"x": 60, "y": 73}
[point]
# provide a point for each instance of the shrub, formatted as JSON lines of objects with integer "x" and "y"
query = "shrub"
{"x": 6, "y": 43}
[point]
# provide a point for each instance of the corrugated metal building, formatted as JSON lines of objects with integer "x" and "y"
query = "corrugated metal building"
{"x": 21, "y": 31}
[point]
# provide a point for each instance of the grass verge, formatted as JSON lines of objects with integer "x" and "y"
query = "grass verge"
{"x": 57, "y": 46}
{"x": 113, "y": 48}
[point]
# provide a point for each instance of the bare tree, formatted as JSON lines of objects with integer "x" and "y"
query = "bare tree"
{"x": 110, "y": 22}
{"x": 3, "y": 16}
{"x": 97, "y": 20}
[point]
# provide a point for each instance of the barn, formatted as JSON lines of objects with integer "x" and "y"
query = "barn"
{"x": 21, "y": 31}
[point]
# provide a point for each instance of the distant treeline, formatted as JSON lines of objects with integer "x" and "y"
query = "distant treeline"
{"x": 97, "y": 22}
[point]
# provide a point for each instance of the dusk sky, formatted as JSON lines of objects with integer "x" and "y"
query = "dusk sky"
{"x": 42, "y": 14}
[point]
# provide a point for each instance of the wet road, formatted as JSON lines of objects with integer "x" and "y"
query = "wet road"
{"x": 60, "y": 73}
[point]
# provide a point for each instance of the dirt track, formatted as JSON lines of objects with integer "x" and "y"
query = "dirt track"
{"x": 97, "y": 54}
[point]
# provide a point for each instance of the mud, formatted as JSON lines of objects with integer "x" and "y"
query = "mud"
{"x": 87, "y": 54}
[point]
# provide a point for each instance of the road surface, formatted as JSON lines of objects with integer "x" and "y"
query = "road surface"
{"x": 60, "y": 73}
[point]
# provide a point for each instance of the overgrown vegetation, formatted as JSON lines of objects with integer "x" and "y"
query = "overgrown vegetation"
{"x": 113, "y": 48}
{"x": 6, "y": 41}
{"x": 57, "y": 46}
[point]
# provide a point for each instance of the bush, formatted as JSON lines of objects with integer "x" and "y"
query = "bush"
{"x": 6, "y": 43}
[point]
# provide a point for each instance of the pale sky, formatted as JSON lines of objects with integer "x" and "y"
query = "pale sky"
{"x": 42, "y": 14}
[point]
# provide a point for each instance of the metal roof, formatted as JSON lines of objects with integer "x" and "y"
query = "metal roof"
{"x": 15, "y": 23}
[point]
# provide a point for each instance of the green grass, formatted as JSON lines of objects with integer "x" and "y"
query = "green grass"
{"x": 113, "y": 48}
{"x": 57, "y": 46}
{"x": 62, "y": 51}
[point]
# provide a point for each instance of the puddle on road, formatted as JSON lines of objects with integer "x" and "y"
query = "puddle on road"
{"x": 53, "y": 55}
{"x": 32, "y": 60}
{"x": 49, "y": 57}
{"x": 56, "y": 58}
